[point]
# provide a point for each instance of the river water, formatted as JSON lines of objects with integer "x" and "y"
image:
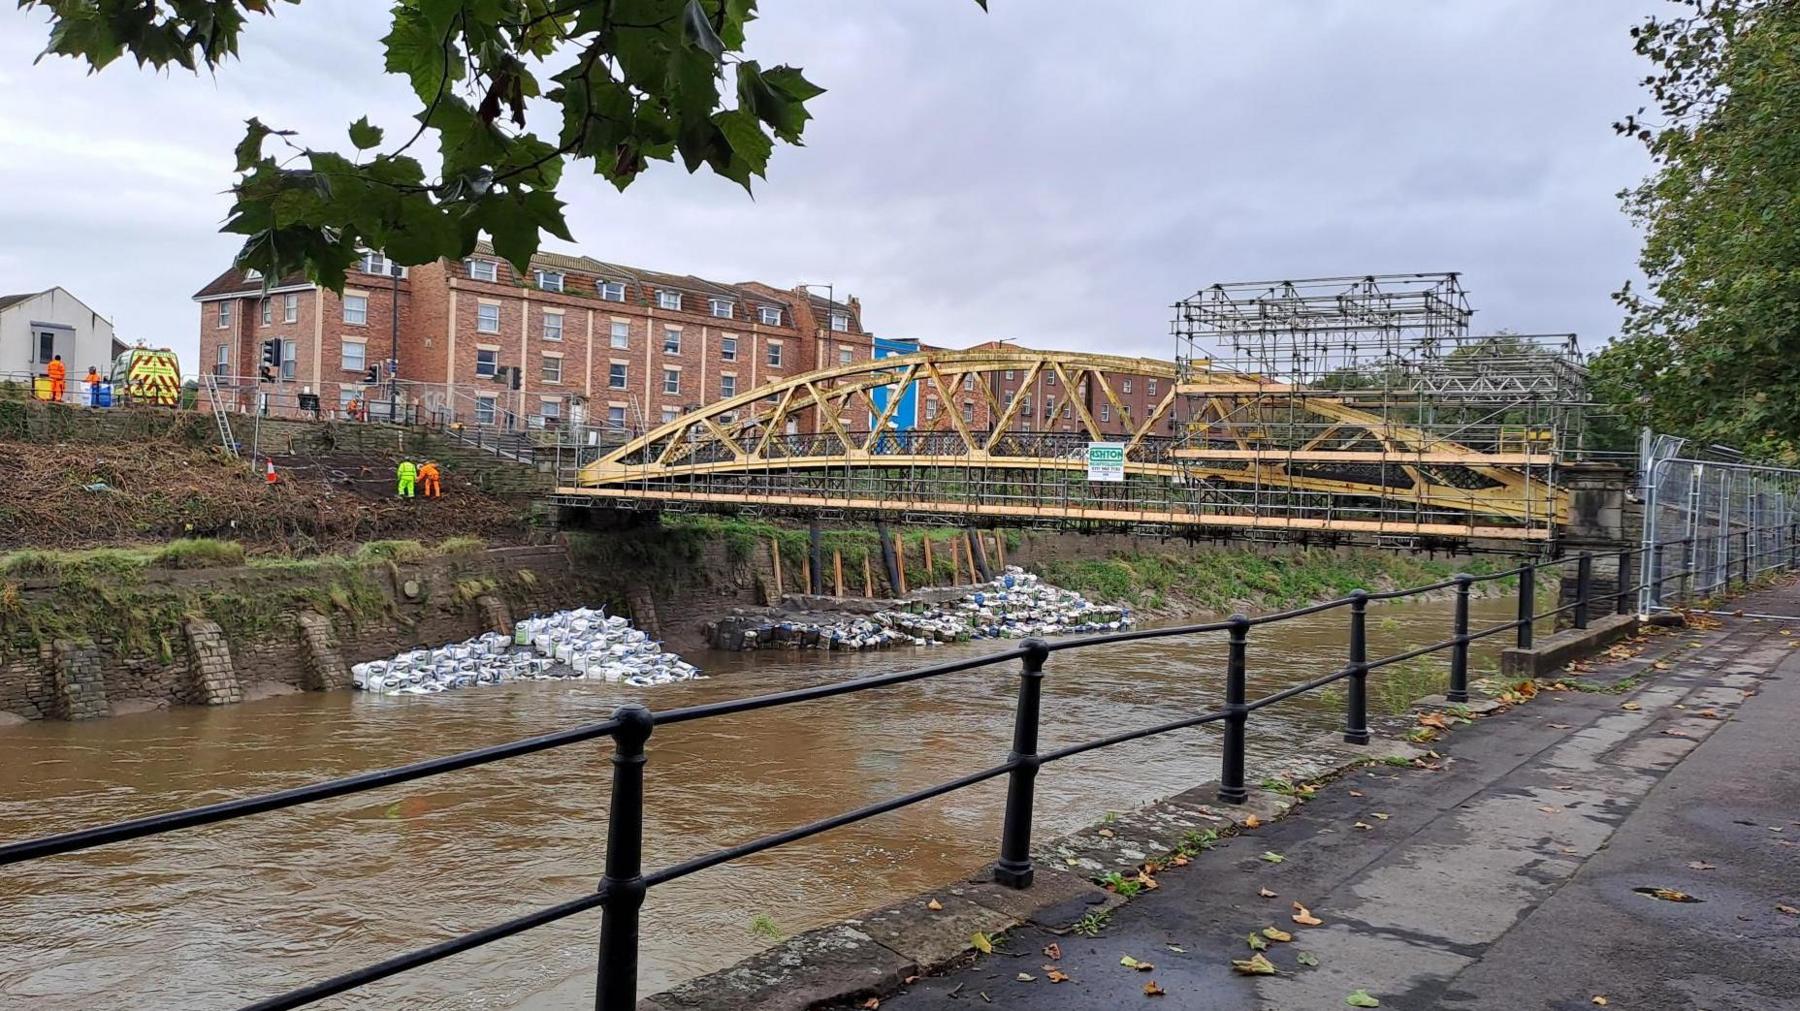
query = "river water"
{"x": 218, "y": 916}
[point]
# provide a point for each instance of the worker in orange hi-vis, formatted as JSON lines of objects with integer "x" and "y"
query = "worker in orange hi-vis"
{"x": 428, "y": 478}
{"x": 93, "y": 385}
{"x": 59, "y": 375}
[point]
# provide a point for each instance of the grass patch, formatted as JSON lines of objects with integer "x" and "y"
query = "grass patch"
{"x": 1122, "y": 885}
{"x": 198, "y": 553}
{"x": 461, "y": 546}
{"x": 392, "y": 551}
{"x": 761, "y": 925}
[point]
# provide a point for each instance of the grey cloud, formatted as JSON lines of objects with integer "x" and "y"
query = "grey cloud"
{"x": 1056, "y": 171}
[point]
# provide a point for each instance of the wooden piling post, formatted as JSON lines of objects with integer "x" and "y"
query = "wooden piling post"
{"x": 837, "y": 569}
{"x": 806, "y": 573}
{"x": 868, "y": 576}
{"x": 775, "y": 564}
{"x": 1000, "y": 550}
{"x": 900, "y": 567}
{"x": 930, "y": 570}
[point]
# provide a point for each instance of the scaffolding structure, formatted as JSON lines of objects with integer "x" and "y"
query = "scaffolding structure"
{"x": 1375, "y": 383}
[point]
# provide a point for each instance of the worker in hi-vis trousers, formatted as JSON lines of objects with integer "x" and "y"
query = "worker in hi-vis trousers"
{"x": 428, "y": 478}
{"x": 407, "y": 474}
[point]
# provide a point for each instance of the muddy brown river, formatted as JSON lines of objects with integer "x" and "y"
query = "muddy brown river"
{"x": 218, "y": 916}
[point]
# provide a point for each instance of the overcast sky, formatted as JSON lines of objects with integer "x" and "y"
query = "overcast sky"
{"x": 1042, "y": 172}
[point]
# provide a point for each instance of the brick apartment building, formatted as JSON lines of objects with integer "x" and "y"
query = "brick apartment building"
{"x": 1048, "y": 406}
{"x": 631, "y": 348}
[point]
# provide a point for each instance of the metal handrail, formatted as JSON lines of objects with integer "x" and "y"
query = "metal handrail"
{"x": 622, "y": 889}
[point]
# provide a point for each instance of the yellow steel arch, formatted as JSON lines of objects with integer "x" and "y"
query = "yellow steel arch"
{"x": 740, "y": 451}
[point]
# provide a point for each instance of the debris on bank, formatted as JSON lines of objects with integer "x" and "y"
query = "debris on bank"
{"x": 1017, "y": 605}
{"x": 568, "y": 645}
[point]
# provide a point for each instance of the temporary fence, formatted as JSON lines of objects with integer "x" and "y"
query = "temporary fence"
{"x": 1709, "y": 520}
{"x": 625, "y": 883}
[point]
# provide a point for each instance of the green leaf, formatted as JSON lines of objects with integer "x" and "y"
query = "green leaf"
{"x": 1270, "y": 856}
{"x": 697, "y": 30}
{"x": 1256, "y": 941}
{"x": 1361, "y": 998}
{"x": 1307, "y": 958}
{"x": 363, "y": 136}
{"x": 982, "y": 943}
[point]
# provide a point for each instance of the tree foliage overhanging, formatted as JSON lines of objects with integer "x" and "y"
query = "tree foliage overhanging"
{"x": 1711, "y": 349}
{"x": 626, "y": 82}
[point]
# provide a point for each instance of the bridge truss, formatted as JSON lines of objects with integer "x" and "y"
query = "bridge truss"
{"x": 1221, "y": 450}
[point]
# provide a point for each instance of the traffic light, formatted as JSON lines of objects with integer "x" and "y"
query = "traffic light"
{"x": 271, "y": 360}
{"x": 373, "y": 376}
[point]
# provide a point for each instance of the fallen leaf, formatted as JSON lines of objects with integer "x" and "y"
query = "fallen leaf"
{"x": 934, "y": 905}
{"x": 1265, "y": 893}
{"x": 1709, "y": 714}
{"x": 1549, "y": 810}
{"x": 1256, "y": 942}
{"x": 1362, "y": 824}
{"x": 1701, "y": 865}
{"x": 1255, "y": 965}
{"x": 1106, "y": 833}
{"x": 1272, "y": 857}
{"x": 1361, "y": 998}
{"x": 1304, "y": 917}
{"x": 1630, "y": 706}
{"x": 1276, "y": 935}
{"x": 1661, "y": 665}
{"x": 909, "y": 981}
{"x": 1356, "y": 793}
{"x": 1025, "y": 977}
{"x": 1253, "y": 822}
{"x": 1666, "y": 894}
{"x": 1602, "y": 1001}
{"x": 1378, "y": 814}
{"x": 982, "y": 943}
{"x": 1176, "y": 948}
{"x": 1674, "y": 733}
{"x": 1132, "y": 963}
{"x": 1307, "y": 958}
{"x": 1789, "y": 910}
{"x": 871, "y": 1004}
{"x": 1053, "y": 951}
{"x": 1056, "y": 975}
{"x": 1558, "y": 726}
{"x": 1434, "y": 720}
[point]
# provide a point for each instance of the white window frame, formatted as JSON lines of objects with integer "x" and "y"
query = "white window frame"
{"x": 1150, "y": 387}
{"x": 846, "y": 355}
{"x": 290, "y": 359}
{"x": 544, "y": 369}
{"x": 727, "y": 386}
{"x": 840, "y": 322}
{"x": 728, "y": 347}
{"x": 670, "y": 414}
{"x": 621, "y": 335}
{"x": 671, "y": 385}
{"x": 611, "y": 291}
{"x": 1125, "y": 385}
{"x": 1009, "y": 375}
{"x": 1105, "y": 412}
{"x": 290, "y": 307}
{"x": 969, "y": 383}
{"x": 931, "y": 408}
{"x": 618, "y": 376}
{"x": 615, "y": 416}
{"x": 558, "y": 317}
{"x": 362, "y": 356}
{"x": 772, "y": 355}
{"x": 968, "y": 411}
{"x": 222, "y": 360}
{"x": 542, "y": 279}
{"x": 769, "y": 315}
{"x": 670, "y": 300}
{"x": 477, "y": 268}
{"x": 1049, "y": 379}
{"x": 268, "y": 312}
{"x": 224, "y": 315}
{"x": 489, "y": 406}
{"x": 361, "y": 317}
{"x": 493, "y": 365}
{"x": 671, "y": 333}
{"x": 378, "y": 263}
{"x": 713, "y": 305}
{"x": 481, "y": 310}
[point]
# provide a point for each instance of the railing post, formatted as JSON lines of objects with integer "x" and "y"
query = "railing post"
{"x": 1014, "y": 868}
{"x": 1356, "y": 723}
{"x": 1685, "y": 586}
{"x": 616, "y": 987}
{"x": 1527, "y": 603}
{"x": 1627, "y": 576}
{"x": 1584, "y": 587}
{"x": 1744, "y": 562}
{"x": 1231, "y": 762}
{"x": 1459, "y": 651}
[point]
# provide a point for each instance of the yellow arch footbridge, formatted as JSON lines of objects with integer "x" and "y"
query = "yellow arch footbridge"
{"x": 1217, "y": 449}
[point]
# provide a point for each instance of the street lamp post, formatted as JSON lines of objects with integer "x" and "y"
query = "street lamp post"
{"x": 394, "y": 346}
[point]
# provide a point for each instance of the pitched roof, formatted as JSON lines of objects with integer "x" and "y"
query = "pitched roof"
{"x": 8, "y": 300}
{"x": 234, "y": 282}
{"x": 640, "y": 275}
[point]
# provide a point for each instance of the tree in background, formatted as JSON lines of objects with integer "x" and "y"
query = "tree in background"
{"x": 1712, "y": 349}
{"x": 623, "y": 83}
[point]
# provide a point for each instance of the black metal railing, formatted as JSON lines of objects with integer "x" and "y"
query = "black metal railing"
{"x": 625, "y": 883}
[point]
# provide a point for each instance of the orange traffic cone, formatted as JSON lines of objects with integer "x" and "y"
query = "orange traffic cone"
{"x": 270, "y": 474}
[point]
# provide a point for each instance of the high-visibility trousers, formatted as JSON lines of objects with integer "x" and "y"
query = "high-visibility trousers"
{"x": 405, "y": 490}
{"x": 432, "y": 488}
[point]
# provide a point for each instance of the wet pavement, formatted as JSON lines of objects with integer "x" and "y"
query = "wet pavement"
{"x": 1519, "y": 873}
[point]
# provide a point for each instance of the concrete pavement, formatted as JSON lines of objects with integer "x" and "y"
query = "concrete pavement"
{"x": 1508, "y": 876}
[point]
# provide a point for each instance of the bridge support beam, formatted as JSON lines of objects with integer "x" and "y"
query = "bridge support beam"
{"x": 816, "y": 543}
{"x": 1596, "y": 523}
{"x": 978, "y": 551}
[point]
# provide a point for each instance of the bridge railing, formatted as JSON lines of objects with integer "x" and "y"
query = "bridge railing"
{"x": 625, "y": 882}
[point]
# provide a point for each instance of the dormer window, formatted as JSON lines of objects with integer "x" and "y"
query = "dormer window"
{"x": 666, "y": 299}
{"x": 378, "y": 263}
{"x": 840, "y": 321}
{"x": 612, "y": 291}
{"x": 720, "y": 307}
{"x": 549, "y": 280}
{"x": 484, "y": 270}
{"x": 769, "y": 314}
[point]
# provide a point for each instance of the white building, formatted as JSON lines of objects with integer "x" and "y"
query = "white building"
{"x": 38, "y": 326}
